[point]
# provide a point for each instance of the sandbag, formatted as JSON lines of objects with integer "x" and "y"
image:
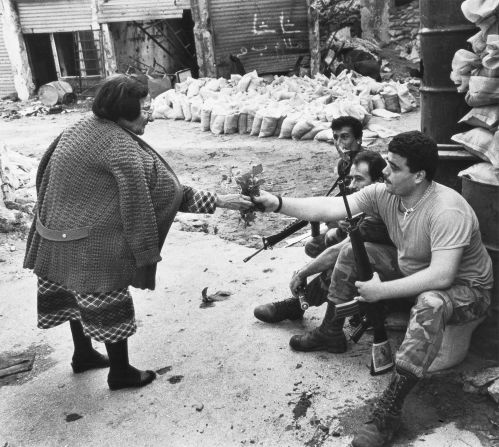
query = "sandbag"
{"x": 178, "y": 114}
{"x": 194, "y": 87}
{"x": 310, "y": 135}
{"x": 256, "y": 125}
{"x": 407, "y": 102}
{"x": 491, "y": 58}
{"x": 279, "y": 126}
{"x": 486, "y": 117}
{"x": 463, "y": 63}
{"x": 477, "y": 42}
{"x": 231, "y": 123}
{"x": 205, "y": 118}
{"x": 482, "y": 91}
{"x": 242, "y": 122}
{"x": 186, "y": 107}
{"x": 287, "y": 126}
{"x": 479, "y": 142}
{"x": 378, "y": 102}
{"x": 245, "y": 81}
{"x": 392, "y": 102}
{"x": 217, "y": 126}
{"x": 324, "y": 135}
{"x": 482, "y": 173}
{"x": 196, "y": 105}
{"x": 249, "y": 121}
{"x": 213, "y": 85}
{"x": 477, "y": 10}
{"x": 301, "y": 128}
{"x": 268, "y": 127}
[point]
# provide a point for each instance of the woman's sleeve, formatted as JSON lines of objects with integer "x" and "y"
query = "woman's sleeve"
{"x": 126, "y": 165}
{"x": 198, "y": 201}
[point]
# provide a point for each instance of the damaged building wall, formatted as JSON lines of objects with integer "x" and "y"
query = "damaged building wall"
{"x": 6, "y": 75}
{"x": 153, "y": 44}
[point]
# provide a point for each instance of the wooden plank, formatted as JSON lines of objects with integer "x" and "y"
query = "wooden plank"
{"x": 55, "y": 56}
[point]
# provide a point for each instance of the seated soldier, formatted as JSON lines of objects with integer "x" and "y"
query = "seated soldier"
{"x": 347, "y": 136}
{"x": 367, "y": 168}
{"x": 438, "y": 257}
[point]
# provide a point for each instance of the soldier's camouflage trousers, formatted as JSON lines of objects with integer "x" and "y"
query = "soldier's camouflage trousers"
{"x": 432, "y": 311}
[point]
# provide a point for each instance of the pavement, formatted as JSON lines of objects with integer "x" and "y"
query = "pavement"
{"x": 224, "y": 378}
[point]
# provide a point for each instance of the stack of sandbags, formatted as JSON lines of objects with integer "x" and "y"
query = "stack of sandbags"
{"x": 285, "y": 107}
{"x": 477, "y": 74}
{"x": 18, "y": 192}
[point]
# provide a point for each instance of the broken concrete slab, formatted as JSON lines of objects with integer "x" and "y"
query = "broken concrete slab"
{"x": 478, "y": 382}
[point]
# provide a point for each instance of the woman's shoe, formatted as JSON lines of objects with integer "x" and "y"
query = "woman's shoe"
{"x": 131, "y": 381}
{"x": 95, "y": 362}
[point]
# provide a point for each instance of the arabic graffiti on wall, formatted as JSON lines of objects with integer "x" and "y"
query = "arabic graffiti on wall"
{"x": 266, "y": 35}
{"x": 278, "y": 38}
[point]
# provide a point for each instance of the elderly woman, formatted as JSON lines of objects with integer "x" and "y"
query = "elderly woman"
{"x": 106, "y": 201}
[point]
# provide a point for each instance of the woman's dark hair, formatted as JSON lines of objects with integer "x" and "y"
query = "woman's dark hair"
{"x": 348, "y": 121}
{"x": 419, "y": 150}
{"x": 119, "y": 97}
{"x": 375, "y": 162}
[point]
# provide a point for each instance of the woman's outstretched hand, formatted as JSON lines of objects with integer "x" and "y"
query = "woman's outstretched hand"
{"x": 267, "y": 201}
{"x": 234, "y": 202}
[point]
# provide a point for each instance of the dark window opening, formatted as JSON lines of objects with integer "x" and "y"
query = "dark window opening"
{"x": 66, "y": 45}
{"x": 78, "y": 53}
{"x": 41, "y": 59}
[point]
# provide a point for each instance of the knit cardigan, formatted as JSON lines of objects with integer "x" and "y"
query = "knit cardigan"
{"x": 99, "y": 177}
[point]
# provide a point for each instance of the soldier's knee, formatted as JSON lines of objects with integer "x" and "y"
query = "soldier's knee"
{"x": 346, "y": 252}
{"x": 429, "y": 300}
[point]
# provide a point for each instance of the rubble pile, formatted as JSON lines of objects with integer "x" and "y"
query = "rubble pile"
{"x": 10, "y": 110}
{"x": 404, "y": 29}
{"x": 17, "y": 189}
{"x": 476, "y": 73}
{"x": 337, "y": 14}
{"x": 483, "y": 382}
{"x": 284, "y": 107}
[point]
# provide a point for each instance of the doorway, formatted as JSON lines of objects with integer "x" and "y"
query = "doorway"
{"x": 41, "y": 58}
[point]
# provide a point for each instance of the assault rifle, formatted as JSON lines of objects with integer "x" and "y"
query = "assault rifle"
{"x": 371, "y": 313}
{"x": 270, "y": 241}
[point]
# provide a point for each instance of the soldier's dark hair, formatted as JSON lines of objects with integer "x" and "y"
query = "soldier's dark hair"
{"x": 420, "y": 151}
{"x": 375, "y": 162}
{"x": 119, "y": 97}
{"x": 348, "y": 121}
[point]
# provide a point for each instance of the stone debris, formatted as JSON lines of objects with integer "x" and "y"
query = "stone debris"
{"x": 493, "y": 391}
{"x": 404, "y": 29}
{"x": 17, "y": 189}
{"x": 483, "y": 382}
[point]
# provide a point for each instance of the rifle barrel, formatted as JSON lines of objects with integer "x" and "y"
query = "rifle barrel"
{"x": 254, "y": 254}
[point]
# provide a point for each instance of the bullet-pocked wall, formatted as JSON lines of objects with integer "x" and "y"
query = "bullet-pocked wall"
{"x": 165, "y": 45}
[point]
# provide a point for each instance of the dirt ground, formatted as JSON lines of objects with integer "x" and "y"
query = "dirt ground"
{"x": 225, "y": 379}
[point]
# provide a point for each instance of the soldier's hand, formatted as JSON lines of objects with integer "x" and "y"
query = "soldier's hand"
{"x": 297, "y": 282}
{"x": 268, "y": 201}
{"x": 370, "y": 291}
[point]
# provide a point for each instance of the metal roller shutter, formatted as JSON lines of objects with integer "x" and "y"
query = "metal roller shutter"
{"x": 6, "y": 75}
{"x": 266, "y": 35}
{"x": 54, "y": 16}
{"x": 140, "y": 10}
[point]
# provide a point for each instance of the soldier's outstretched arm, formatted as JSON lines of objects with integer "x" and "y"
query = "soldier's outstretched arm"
{"x": 313, "y": 209}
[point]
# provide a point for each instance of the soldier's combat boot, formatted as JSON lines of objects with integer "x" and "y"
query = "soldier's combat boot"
{"x": 387, "y": 414}
{"x": 288, "y": 309}
{"x": 329, "y": 336}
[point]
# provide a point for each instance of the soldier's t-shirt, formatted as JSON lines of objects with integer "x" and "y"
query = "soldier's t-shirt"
{"x": 442, "y": 221}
